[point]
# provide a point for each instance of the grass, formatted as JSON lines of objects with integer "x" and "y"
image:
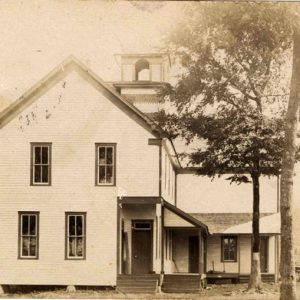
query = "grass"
{"x": 214, "y": 292}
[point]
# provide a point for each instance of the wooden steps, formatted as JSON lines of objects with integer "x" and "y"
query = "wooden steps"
{"x": 181, "y": 283}
{"x": 133, "y": 284}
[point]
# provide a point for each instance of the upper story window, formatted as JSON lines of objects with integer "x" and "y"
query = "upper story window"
{"x": 75, "y": 235}
{"x": 105, "y": 164}
{"x": 40, "y": 164}
{"x": 142, "y": 70}
{"x": 28, "y": 234}
{"x": 229, "y": 248}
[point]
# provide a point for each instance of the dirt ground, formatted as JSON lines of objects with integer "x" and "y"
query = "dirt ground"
{"x": 214, "y": 292}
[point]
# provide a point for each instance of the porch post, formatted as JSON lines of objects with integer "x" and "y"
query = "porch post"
{"x": 118, "y": 235}
{"x": 200, "y": 252}
{"x": 162, "y": 240}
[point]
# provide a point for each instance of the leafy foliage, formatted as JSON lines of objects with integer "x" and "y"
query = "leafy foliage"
{"x": 231, "y": 91}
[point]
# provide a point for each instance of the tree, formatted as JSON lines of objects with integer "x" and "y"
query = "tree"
{"x": 230, "y": 95}
{"x": 287, "y": 265}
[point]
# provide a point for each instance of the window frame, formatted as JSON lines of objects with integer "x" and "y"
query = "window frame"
{"x": 67, "y": 215}
{"x": 20, "y": 235}
{"x": 114, "y": 167}
{"x": 32, "y": 164}
{"x": 223, "y": 248}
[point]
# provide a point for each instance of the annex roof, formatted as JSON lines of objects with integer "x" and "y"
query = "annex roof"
{"x": 238, "y": 223}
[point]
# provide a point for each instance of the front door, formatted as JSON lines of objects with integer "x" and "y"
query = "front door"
{"x": 264, "y": 241}
{"x": 194, "y": 254}
{"x": 141, "y": 247}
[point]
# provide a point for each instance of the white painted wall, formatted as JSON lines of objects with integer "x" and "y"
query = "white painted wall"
{"x": 214, "y": 257}
{"x": 245, "y": 254}
{"x": 167, "y": 178}
{"x": 200, "y": 194}
{"x": 73, "y": 115}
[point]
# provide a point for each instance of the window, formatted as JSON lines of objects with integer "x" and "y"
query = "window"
{"x": 28, "y": 234}
{"x": 40, "y": 164}
{"x": 229, "y": 248}
{"x": 105, "y": 164}
{"x": 75, "y": 235}
{"x": 142, "y": 70}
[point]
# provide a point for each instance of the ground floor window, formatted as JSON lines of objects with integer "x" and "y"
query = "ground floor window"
{"x": 28, "y": 234}
{"x": 75, "y": 235}
{"x": 229, "y": 248}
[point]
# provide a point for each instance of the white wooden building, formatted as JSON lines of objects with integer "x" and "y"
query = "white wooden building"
{"x": 91, "y": 191}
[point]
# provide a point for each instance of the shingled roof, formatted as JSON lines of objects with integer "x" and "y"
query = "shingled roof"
{"x": 222, "y": 223}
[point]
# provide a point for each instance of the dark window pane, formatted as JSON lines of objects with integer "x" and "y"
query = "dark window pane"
{"x": 72, "y": 246}
{"x": 102, "y": 174}
{"x": 37, "y": 174}
{"x": 229, "y": 248}
{"x": 45, "y": 174}
{"x": 32, "y": 248}
{"x": 37, "y": 155}
{"x": 79, "y": 227}
{"x": 25, "y": 246}
{"x": 25, "y": 225}
{"x": 109, "y": 174}
{"x": 79, "y": 250}
{"x": 45, "y": 155}
{"x": 109, "y": 155}
{"x": 101, "y": 155}
{"x": 71, "y": 225}
{"x": 32, "y": 225}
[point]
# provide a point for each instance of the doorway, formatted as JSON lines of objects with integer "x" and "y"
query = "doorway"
{"x": 141, "y": 257}
{"x": 194, "y": 254}
{"x": 264, "y": 249}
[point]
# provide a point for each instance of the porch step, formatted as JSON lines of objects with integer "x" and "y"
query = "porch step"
{"x": 129, "y": 284}
{"x": 264, "y": 278}
{"x": 184, "y": 283}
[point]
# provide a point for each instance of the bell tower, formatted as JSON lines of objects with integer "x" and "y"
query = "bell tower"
{"x": 141, "y": 77}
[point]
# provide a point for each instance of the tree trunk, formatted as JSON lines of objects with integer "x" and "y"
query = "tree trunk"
{"x": 255, "y": 277}
{"x": 287, "y": 262}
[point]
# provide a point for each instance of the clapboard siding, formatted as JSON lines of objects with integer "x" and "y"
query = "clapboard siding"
{"x": 214, "y": 257}
{"x": 245, "y": 254}
{"x": 73, "y": 116}
{"x": 167, "y": 178}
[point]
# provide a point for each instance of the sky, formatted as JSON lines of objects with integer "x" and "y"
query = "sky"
{"x": 35, "y": 36}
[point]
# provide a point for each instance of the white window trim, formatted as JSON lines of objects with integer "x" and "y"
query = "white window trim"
{"x": 21, "y": 236}
{"x": 83, "y": 235}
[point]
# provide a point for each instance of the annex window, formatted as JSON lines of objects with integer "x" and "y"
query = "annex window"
{"x": 229, "y": 248}
{"x": 40, "y": 164}
{"x": 28, "y": 234}
{"x": 105, "y": 164}
{"x": 75, "y": 235}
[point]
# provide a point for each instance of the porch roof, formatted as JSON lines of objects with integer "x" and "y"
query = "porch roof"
{"x": 185, "y": 216}
{"x": 239, "y": 223}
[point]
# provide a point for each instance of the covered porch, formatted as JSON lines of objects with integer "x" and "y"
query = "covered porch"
{"x": 159, "y": 246}
{"x": 155, "y": 237}
{"x": 229, "y": 246}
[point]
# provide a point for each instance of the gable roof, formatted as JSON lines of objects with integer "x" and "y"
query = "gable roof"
{"x": 62, "y": 70}
{"x": 238, "y": 223}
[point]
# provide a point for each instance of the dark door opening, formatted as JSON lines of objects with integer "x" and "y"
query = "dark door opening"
{"x": 141, "y": 259}
{"x": 193, "y": 254}
{"x": 264, "y": 249}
